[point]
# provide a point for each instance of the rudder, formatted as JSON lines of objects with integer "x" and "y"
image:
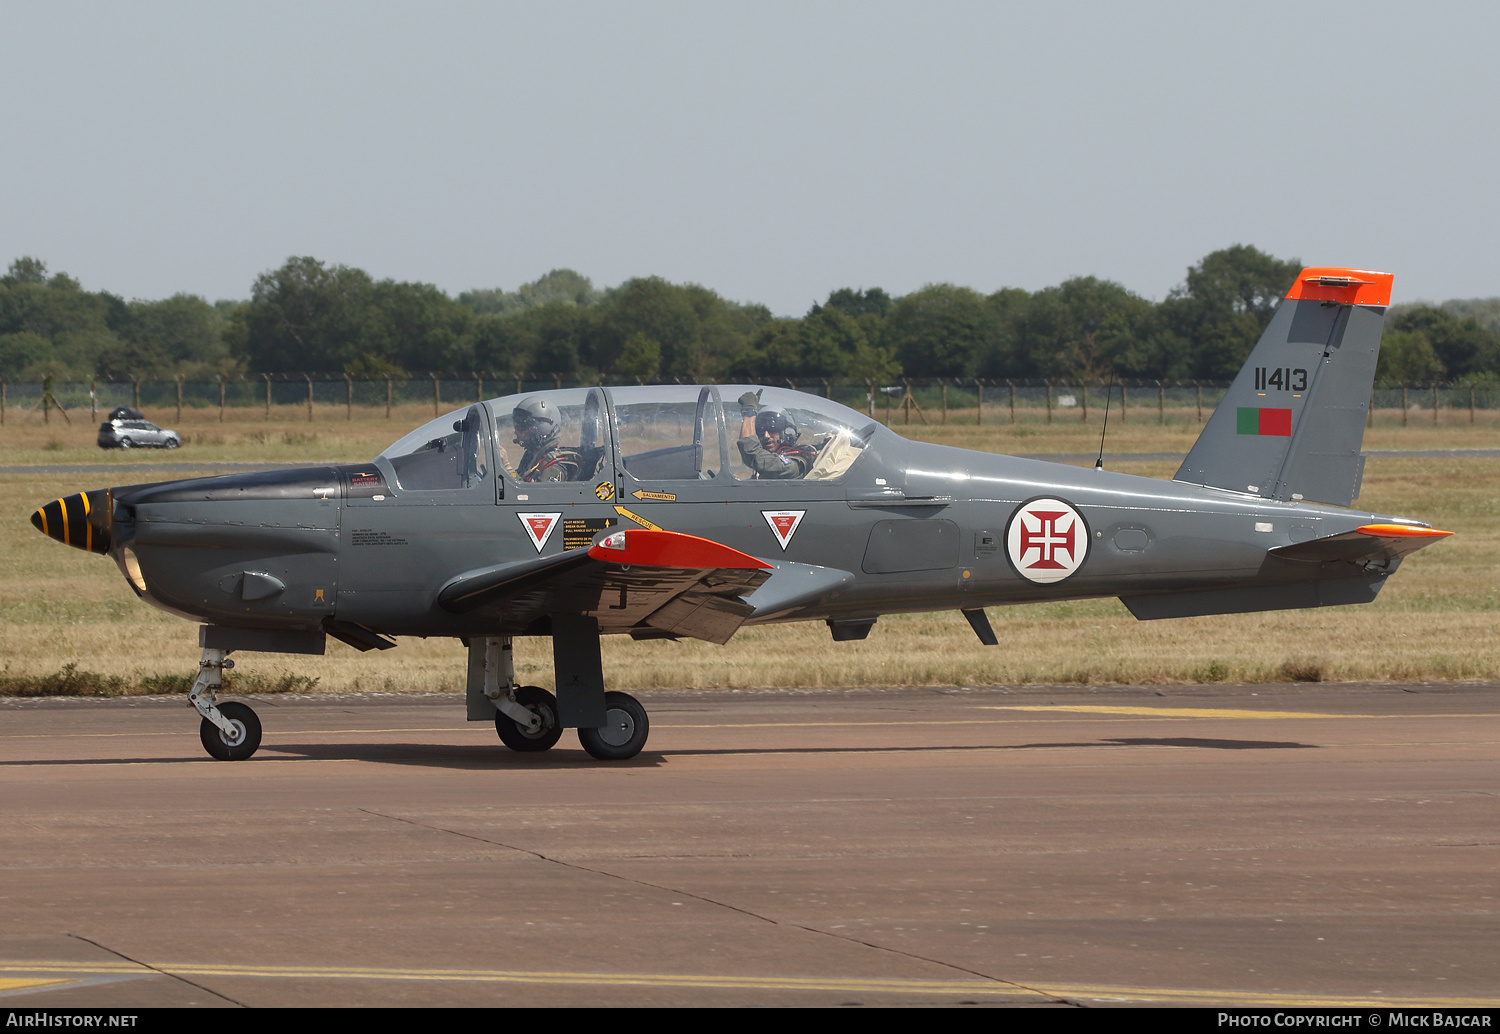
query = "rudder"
{"x": 1293, "y": 421}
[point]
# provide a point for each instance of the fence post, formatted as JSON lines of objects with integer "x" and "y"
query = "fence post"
{"x": 308, "y": 377}
{"x": 978, "y": 402}
{"x": 871, "y": 407}
{"x": 94, "y": 401}
{"x": 1370, "y": 416}
{"x": 179, "y": 398}
{"x": 267, "y": 378}
{"x": 906, "y": 402}
{"x": 436, "y": 396}
{"x": 1198, "y": 394}
{"x": 387, "y": 396}
{"x": 1161, "y": 403}
{"x": 1124, "y": 402}
{"x": 137, "y": 393}
{"x": 1083, "y": 394}
{"x": 827, "y": 387}
{"x": 478, "y": 387}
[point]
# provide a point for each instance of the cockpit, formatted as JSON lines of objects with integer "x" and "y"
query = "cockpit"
{"x": 671, "y": 433}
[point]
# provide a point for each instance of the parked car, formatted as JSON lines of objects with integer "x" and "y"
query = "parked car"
{"x": 133, "y": 434}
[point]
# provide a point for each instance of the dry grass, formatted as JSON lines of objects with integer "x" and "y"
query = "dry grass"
{"x": 1436, "y": 620}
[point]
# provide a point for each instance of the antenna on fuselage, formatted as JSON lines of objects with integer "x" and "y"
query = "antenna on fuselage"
{"x": 1109, "y": 391}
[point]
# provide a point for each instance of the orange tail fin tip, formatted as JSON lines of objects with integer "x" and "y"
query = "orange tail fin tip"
{"x": 1345, "y": 286}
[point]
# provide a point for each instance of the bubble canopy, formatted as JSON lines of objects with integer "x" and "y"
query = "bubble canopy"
{"x": 654, "y": 432}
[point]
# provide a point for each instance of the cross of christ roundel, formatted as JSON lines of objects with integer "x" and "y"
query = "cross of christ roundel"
{"x": 1047, "y": 540}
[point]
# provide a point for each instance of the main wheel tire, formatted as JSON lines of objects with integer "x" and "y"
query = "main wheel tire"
{"x": 624, "y": 731}
{"x": 246, "y": 723}
{"x": 538, "y": 701}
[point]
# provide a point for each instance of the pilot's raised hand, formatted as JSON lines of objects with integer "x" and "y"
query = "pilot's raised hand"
{"x": 749, "y": 403}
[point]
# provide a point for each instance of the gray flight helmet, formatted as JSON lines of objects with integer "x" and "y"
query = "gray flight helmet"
{"x": 537, "y": 423}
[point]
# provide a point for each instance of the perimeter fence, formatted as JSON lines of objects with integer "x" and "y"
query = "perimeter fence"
{"x": 929, "y": 400}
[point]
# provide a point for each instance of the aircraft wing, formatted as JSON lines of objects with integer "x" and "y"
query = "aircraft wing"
{"x": 650, "y": 583}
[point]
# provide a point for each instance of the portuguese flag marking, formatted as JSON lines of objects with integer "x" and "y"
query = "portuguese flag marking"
{"x": 1260, "y": 420}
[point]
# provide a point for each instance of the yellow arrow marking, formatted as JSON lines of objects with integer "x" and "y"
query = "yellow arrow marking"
{"x": 666, "y": 497}
{"x": 638, "y": 519}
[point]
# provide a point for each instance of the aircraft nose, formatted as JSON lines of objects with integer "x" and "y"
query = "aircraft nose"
{"x": 82, "y": 520}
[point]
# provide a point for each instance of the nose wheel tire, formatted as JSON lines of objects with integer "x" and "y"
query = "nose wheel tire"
{"x": 232, "y": 748}
{"x": 538, "y": 701}
{"x": 624, "y": 731}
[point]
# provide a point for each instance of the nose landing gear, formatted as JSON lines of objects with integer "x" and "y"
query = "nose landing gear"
{"x": 231, "y": 731}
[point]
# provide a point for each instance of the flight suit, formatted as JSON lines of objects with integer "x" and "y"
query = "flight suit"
{"x": 783, "y": 461}
{"x": 551, "y": 464}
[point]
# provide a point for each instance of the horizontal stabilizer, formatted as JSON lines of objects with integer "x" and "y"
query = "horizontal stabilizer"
{"x": 1370, "y": 544}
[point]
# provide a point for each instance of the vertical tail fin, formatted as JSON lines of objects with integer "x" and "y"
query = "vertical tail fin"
{"x": 1294, "y": 419}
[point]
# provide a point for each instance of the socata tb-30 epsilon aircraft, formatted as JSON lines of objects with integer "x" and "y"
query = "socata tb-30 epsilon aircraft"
{"x": 664, "y": 512}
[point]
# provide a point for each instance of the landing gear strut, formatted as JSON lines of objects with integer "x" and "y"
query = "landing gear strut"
{"x": 611, "y": 726}
{"x": 230, "y": 732}
{"x": 525, "y": 716}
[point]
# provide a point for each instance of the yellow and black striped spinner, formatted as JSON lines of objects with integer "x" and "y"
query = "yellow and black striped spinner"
{"x": 81, "y": 520}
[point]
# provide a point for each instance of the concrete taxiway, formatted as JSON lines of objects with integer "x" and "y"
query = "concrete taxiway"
{"x": 1261, "y": 845}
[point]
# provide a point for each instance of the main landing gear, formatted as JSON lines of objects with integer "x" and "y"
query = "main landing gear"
{"x": 611, "y": 726}
{"x": 536, "y": 729}
{"x": 623, "y": 733}
{"x": 230, "y": 731}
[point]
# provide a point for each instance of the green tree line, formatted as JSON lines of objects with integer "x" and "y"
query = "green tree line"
{"x": 312, "y": 317}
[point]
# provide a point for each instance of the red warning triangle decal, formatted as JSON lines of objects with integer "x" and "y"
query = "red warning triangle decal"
{"x": 783, "y": 524}
{"x": 539, "y": 526}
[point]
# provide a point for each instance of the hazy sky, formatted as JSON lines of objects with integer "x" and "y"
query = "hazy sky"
{"x": 770, "y": 151}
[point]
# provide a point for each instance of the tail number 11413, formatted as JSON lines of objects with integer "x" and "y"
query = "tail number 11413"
{"x": 1282, "y": 378}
